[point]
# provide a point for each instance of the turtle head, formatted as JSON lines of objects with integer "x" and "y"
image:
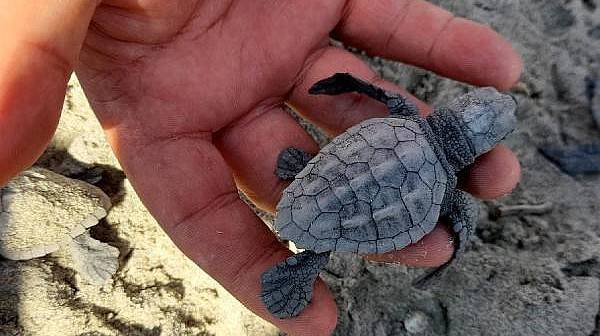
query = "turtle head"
{"x": 473, "y": 124}
{"x": 487, "y": 117}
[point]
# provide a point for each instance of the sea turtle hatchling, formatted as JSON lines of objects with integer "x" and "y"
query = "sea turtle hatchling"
{"x": 42, "y": 212}
{"x": 381, "y": 185}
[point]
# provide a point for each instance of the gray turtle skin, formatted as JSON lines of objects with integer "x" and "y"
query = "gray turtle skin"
{"x": 381, "y": 185}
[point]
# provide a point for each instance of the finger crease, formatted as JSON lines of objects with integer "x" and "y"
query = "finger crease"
{"x": 154, "y": 139}
{"x": 398, "y": 20}
{"x": 266, "y": 106}
{"x": 220, "y": 20}
{"x": 56, "y": 58}
{"x": 346, "y": 13}
{"x": 218, "y": 203}
{"x": 428, "y": 57}
{"x": 311, "y": 60}
{"x": 260, "y": 257}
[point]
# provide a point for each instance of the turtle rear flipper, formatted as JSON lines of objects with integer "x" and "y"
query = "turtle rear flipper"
{"x": 345, "y": 83}
{"x": 287, "y": 287}
{"x": 462, "y": 215}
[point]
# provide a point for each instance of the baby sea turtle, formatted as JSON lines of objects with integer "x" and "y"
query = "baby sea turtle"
{"x": 42, "y": 212}
{"x": 381, "y": 185}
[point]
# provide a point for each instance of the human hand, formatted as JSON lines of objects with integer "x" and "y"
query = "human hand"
{"x": 191, "y": 95}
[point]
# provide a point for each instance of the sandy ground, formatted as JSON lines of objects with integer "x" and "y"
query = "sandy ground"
{"x": 525, "y": 275}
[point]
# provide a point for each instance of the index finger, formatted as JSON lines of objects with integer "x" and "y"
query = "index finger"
{"x": 419, "y": 33}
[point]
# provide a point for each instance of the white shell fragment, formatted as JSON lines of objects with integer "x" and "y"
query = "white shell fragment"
{"x": 40, "y": 211}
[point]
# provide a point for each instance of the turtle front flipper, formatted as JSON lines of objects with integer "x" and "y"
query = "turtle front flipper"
{"x": 290, "y": 162}
{"x": 462, "y": 213}
{"x": 345, "y": 83}
{"x": 287, "y": 287}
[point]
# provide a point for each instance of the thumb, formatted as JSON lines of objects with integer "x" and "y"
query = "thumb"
{"x": 41, "y": 43}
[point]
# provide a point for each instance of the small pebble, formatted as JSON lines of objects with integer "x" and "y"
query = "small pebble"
{"x": 417, "y": 322}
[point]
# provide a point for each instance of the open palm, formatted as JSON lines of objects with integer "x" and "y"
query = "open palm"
{"x": 192, "y": 94}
